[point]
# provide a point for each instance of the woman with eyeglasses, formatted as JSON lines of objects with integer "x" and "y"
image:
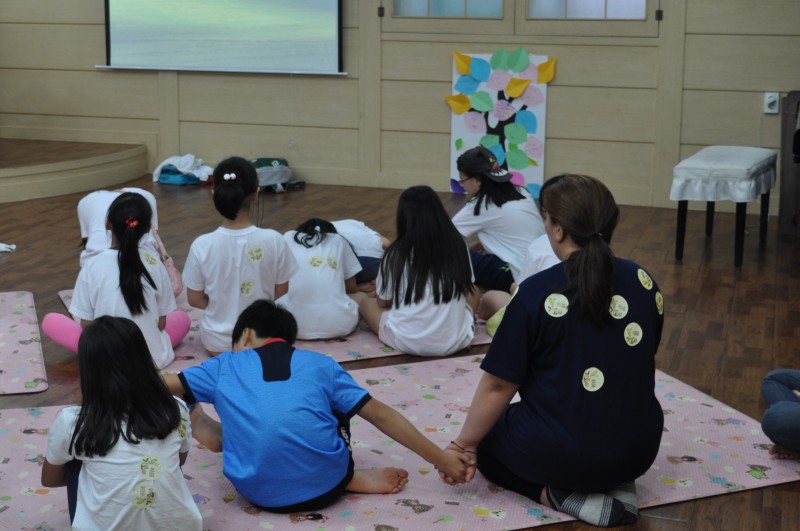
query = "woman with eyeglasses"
{"x": 504, "y": 218}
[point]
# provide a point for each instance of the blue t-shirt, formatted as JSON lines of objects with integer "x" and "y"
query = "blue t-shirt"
{"x": 279, "y": 410}
{"x": 588, "y": 416}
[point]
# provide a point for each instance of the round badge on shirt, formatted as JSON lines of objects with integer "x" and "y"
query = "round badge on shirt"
{"x": 619, "y": 307}
{"x": 633, "y": 334}
{"x": 556, "y": 305}
{"x": 659, "y": 303}
{"x": 593, "y": 379}
{"x": 645, "y": 279}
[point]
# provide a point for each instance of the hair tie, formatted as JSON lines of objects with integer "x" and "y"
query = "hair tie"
{"x": 317, "y": 229}
{"x": 132, "y": 223}
{"x": 597, "y": 234}
{"x": 229, "y": 176}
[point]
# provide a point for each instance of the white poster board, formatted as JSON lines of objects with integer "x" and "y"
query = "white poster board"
{"x": 499, "y": 101}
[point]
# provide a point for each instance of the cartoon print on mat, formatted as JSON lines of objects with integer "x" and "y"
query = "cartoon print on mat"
{"x": 414, "y": 504}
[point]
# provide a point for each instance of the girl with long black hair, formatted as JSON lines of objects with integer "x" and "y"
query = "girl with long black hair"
{"x": 425, "y": 300}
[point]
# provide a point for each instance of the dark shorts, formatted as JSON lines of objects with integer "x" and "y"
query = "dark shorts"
{"x": 491, "y": 272}
{"x": 369, "y": 269}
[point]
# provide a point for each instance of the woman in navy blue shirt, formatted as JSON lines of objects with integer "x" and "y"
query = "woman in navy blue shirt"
{"x": 578, "y": 343}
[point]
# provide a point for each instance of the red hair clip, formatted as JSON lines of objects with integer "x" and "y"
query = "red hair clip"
{"x": 132, "y": 223}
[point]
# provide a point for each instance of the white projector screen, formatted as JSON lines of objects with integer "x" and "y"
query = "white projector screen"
{"x": 276, "y": 36}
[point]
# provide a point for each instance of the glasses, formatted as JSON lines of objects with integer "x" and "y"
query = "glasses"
{"x": 462, "y": 181}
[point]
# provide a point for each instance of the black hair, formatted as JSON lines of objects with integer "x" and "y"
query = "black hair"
{"x": 129, "y": 217}
{"x": 477, "y": 163}
{"x": 266, "y": 319}
{"x": 585, "y": 209}
{"x": 312, "y": 231}
{"x": 428, "y": 252}
{"x": 231, "y": 193}
{"x": 120, "y": 384}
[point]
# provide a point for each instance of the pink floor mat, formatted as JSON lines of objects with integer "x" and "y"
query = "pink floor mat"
{"x": 21, "y": 363}
{"x": 359, "y": 345}
{"x": 708, "y": 449}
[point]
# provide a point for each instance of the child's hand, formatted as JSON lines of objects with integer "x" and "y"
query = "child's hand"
{"x": 454, "y": 466}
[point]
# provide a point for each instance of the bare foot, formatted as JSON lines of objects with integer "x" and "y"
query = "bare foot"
{"x": 779, "y": 452}
{"x": 388, "y": 480}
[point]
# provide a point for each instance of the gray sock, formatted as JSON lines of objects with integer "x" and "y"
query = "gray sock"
{"x": 626, "y": 493}
{"x": 595, "y": 509}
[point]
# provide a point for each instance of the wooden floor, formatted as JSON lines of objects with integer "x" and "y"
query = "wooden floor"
{"x": 725, "y": 327}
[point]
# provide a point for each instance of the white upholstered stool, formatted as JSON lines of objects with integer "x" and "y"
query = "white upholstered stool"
{"x": 724, "y": 173}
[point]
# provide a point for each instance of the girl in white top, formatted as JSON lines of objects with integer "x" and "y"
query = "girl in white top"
{"x": 92, "y": 213}
{"x": 125, "y": 281}
{"x": 238, "y": 263}
{"x": 425, "y": 296}
{"x": 504, "y": 218}
{"x": 318, "y": 290}
{"x": 119, "y": 453}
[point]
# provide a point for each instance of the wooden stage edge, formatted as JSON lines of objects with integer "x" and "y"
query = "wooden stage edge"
{"x": 31, "y": 169}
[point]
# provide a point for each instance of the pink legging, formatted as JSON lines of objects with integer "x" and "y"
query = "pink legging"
{"x": 66, "y": 331}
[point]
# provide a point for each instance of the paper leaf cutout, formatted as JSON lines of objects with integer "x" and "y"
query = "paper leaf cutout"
{"x": 482, "y": 101}
{"x": 516, "y": 134}
{"x": 503, "y": 110}
{"x": 547, "y": 71}
{"x": 480, "y": 69}
{"x": 517, "y": 86}
{"x": 518, "y": 60}
{"x": 499, "y": 60}
{"x": 532, "y": 96}
{"x": 534, "y": 148}
{"x": 517, "y": 179}
{"x": 462, "y": 63}
{"x": 534, "y": 190}
{"x": 459, "y": 103}
{"x": 527, "y": 120}
{"x": 531, "y": 72}
{"x": 498, "y": 80}
{"x": 467, "y": 85}
{"x": 456, "y": 188}
{"x": 474, "y": 122}
{"x": 488, "y": 141}
{"x": 459, "y": 143}
{"x": 517, "y": 159}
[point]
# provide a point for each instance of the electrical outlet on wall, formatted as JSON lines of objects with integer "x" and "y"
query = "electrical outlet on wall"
{"x": 771, "y": 103}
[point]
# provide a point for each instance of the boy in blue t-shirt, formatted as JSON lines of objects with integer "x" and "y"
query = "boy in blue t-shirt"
{"x": 285, "y": 414}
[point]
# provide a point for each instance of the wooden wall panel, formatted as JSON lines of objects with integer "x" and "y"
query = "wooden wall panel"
{"x": 53, "y": 11}
{"x": 409, "y": 159}
{"x": 742, "y": 62}
{"x": 626, "y": 168}
{"x": 52, "y": 46}
{"x": 415, "y": 106}
{"x": 98, "y": 93}
{"x": 326, "y": 155}
{"x": 269, "y": 100}
{"x": 728, "y": 118}
{"x": 600, "y": 114}
{"x": 598, "y": 66}
{"x": 742, "y": 17}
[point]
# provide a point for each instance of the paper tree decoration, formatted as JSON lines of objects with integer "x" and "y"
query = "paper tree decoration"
{"x": 499, "y": 102}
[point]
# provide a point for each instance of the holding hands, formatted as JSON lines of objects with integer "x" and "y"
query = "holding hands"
{"x": 466, "y": 455}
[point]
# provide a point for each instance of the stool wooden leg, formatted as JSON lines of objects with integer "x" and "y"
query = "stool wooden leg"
{"x": 741, "y": 211}
{"x": 762, "y": 233}
{"x": 709, "y": 218}
{"x": 683, "y": 206}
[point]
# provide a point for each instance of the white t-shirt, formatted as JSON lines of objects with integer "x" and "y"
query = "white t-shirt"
{"x": 97, "y": 293}
{"x": 505, "y": 231}
{"x": 317, "y": 296}
{"x": 235, "y": 268}
{"x": 425, "y": 328}
{"x": 540, "y": 256}
{"x": 92, "y": 213}
{"x": 134, "y": 486}
{"x": 365, "y": 241}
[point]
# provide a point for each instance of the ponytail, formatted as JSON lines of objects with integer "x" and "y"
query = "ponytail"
{"x": 235, "y": 179}
{"x": 129, "y": 217}
{"x": 312, "y": 231}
